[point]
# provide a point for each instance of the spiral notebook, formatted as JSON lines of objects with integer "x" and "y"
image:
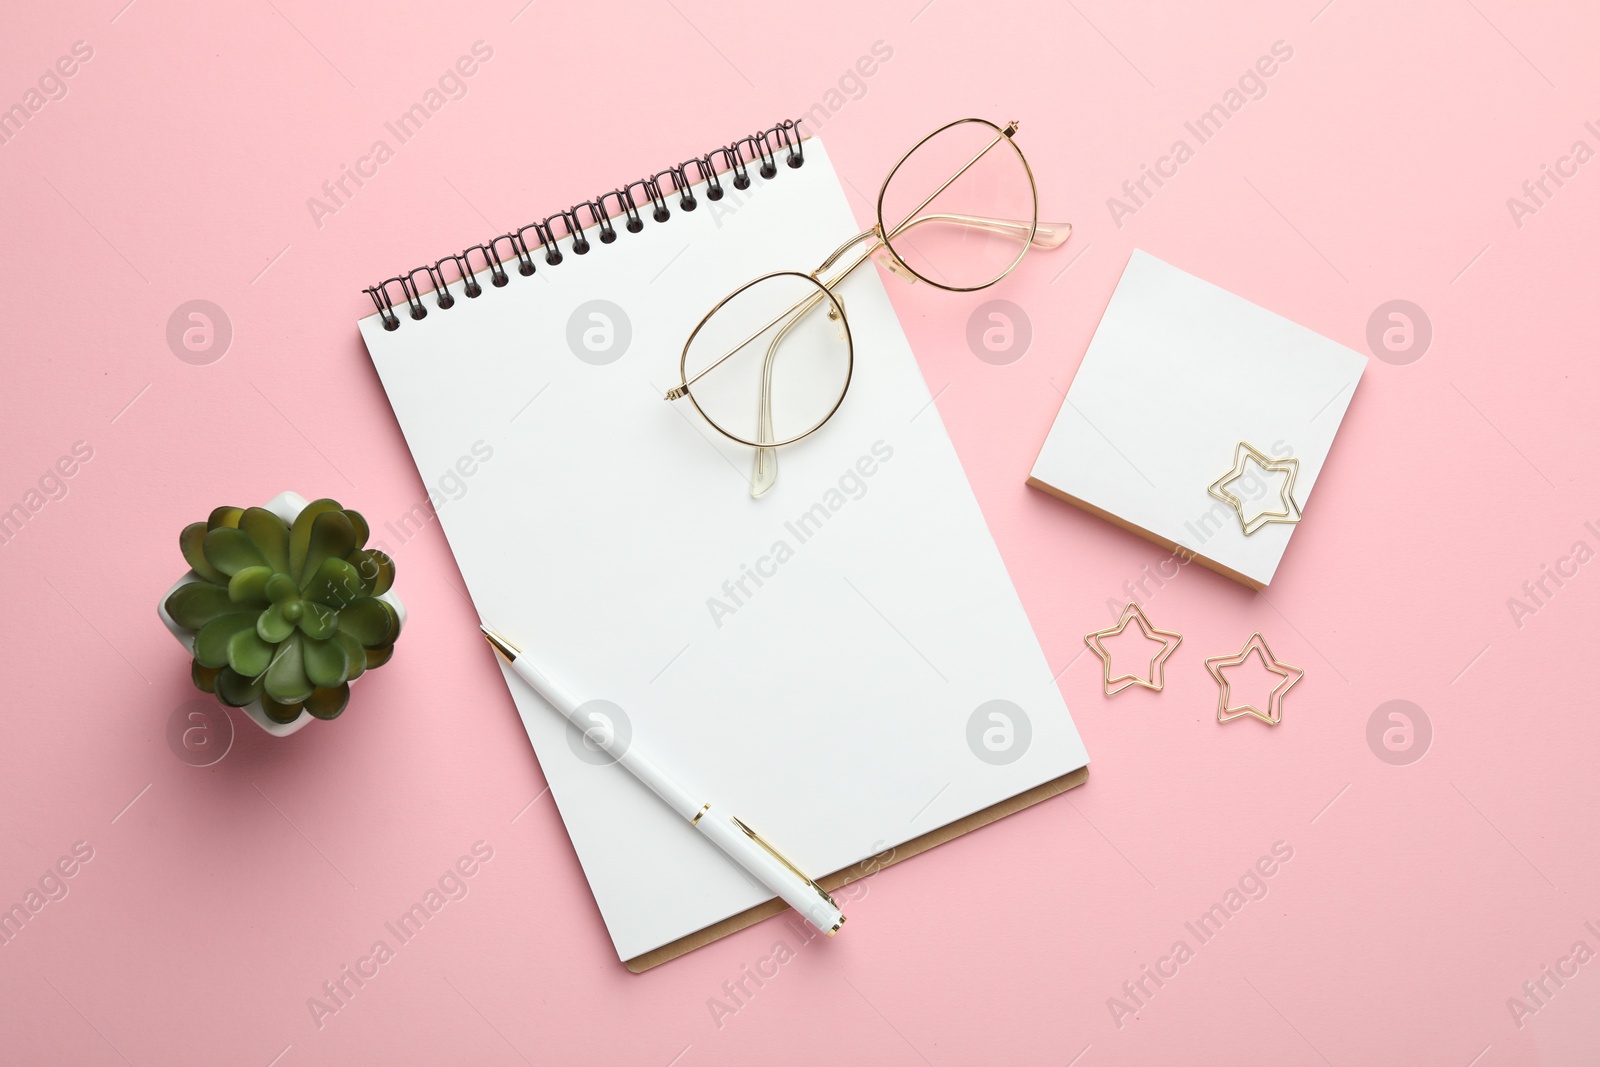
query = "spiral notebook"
{"x": 843, "y": 662}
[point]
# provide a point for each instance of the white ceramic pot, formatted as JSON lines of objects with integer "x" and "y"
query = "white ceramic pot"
{"x": 286, "y": 506}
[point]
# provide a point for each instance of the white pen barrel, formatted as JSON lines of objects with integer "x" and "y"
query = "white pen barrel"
{"x": 646, "y": 770}
{"x": 772, "y": 872}
{"x": 558, "y": 695}
{"x": 641, "y": 765}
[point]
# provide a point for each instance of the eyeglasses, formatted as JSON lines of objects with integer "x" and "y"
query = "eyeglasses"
{"x": 965, "y": 211}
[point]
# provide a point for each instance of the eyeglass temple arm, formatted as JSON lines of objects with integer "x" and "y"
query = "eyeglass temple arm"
{"x": 764, "y": 473}
{"x": 1046, "y": 234}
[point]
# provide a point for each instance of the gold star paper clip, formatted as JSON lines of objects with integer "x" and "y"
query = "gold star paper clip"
{"x": 1157, "y": 678}
{"x": 1257, "y": 645}
{"x": 1243, "y": 455}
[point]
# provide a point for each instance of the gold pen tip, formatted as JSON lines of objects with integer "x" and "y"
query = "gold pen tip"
{"x": 501, "y": 645}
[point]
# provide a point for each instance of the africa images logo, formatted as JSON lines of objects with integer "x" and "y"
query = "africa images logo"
{"x": 850, "y": 485}
{"x": 1139, "y": 991}
{"x": 1251, "y": 85}
{"x": 452, "y": 885}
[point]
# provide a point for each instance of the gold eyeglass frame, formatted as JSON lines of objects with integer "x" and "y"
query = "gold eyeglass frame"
{"x": 881, "y": 236}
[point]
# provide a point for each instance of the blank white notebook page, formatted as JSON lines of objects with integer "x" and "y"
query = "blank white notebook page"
{"x": 813, "y": 661}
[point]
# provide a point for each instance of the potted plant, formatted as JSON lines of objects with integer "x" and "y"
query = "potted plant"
{"x": 283, "y": 607}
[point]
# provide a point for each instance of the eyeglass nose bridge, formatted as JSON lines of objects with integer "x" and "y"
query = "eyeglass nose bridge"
{"x": 876, "y": 234}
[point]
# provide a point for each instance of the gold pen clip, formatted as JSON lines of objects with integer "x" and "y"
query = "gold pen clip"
{"x": 781, "y": 858}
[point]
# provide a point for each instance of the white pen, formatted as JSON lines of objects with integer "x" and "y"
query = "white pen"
{"x": 740, "y": 843}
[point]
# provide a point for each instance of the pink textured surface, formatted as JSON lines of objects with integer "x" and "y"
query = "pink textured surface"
{"x": 1377, "y": 166}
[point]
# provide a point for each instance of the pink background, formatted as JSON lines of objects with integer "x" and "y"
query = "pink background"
{"x": 1376, "y": 167}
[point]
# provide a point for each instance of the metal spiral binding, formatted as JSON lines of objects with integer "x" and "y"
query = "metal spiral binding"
{"x": 519, "y": 247}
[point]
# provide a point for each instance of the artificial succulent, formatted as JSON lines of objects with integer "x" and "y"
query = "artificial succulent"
{"x": 285, "y": 613}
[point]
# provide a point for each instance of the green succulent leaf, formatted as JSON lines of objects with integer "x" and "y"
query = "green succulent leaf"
{"x": 197, "y": 603}
{"x": 377, "y": 657}
{"x": 205, "y": 678}
{"x": 269, "y": 535}
{"x": 327, "y": 662}
{"x": 335, "y": 583}
{"x": 248, "y": 654}
{"x": 272, "y": 626}
{"x": 286, "y": 678}
{"x": 358, "y": 522}
{"x": 211, "y": 643}
{"x": 332, "y": 537}
{"x": 375, "y": 568}
{"x": 328, "y": 703}
{"x": 318, "y": 621}
{"x": 249, "y": 586}
{"x": 192, "y": 542}
{"x": 281, "y": 587}
{"x": 300, "y": 534}
{"x": 371, "y": 621}
{"x": 224, "y": 516}
{"x": 281, "y": 713}
{"x": 230, "y": 551}
{"x": 356, "y": 656}
{"x": 235, "y": 690}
